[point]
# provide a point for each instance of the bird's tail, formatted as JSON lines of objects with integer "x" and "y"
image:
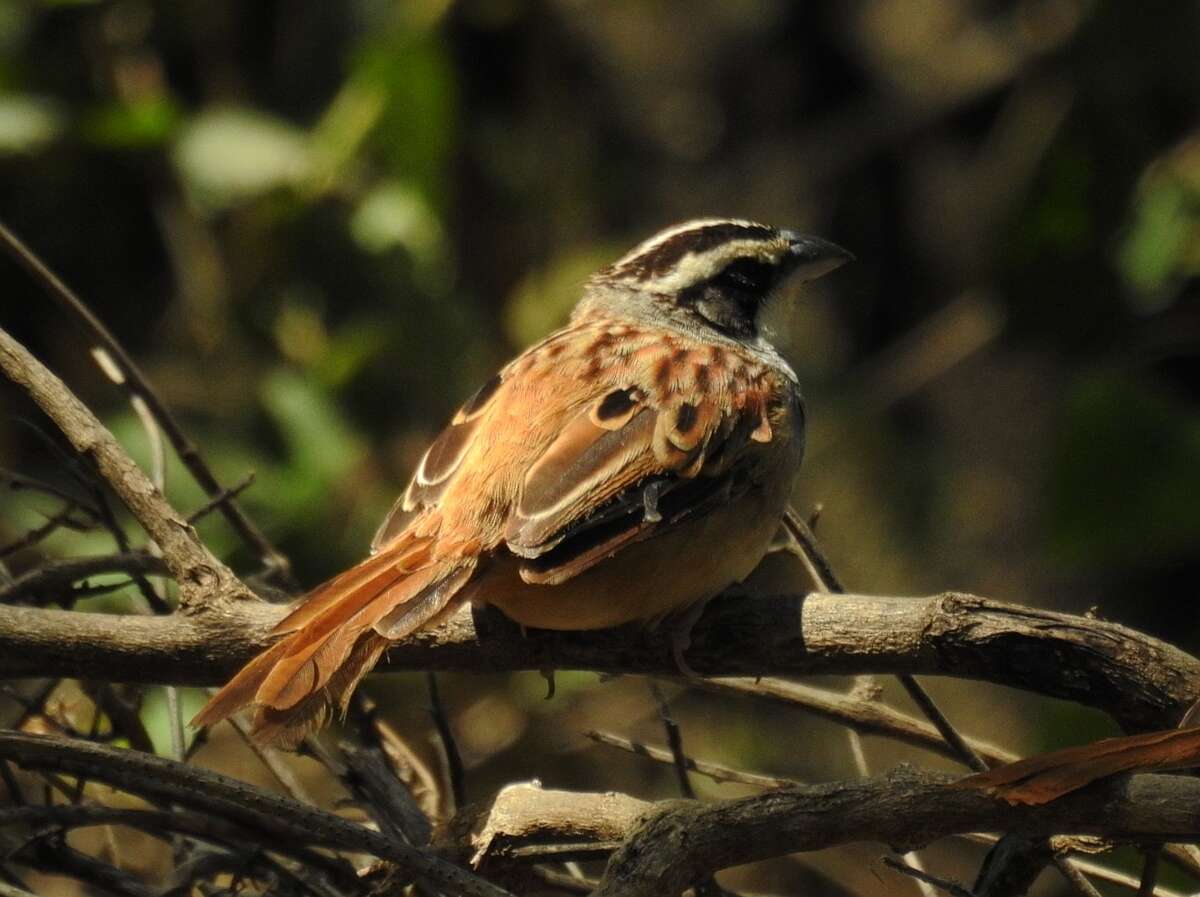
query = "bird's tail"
{"x": 334, "y": 638}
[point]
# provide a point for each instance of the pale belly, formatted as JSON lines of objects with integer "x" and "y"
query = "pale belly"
{"x": 648, "y": 580}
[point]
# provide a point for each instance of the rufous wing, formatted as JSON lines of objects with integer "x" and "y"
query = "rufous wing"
{"x": 333, "y": 637}
{"x": 604, "y": 465}
{"x": 441, "y": 461}
{"x": 623, "y": 468}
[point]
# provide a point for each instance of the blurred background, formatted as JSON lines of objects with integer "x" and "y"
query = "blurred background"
{"x": 319, "y": 226}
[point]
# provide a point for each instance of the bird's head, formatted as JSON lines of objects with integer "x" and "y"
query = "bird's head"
{"x": 719, "y": 272}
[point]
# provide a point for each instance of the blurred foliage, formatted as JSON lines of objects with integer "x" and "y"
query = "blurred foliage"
{"x": 319, "y": 226}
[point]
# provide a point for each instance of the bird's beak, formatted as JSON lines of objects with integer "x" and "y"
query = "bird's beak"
{"x": 811, "y": 257}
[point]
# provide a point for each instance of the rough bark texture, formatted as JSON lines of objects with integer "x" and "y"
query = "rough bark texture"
{"x": 682, "y": 842}
{"x": 1142, "y": 682}
{"x": 203, "y": 580}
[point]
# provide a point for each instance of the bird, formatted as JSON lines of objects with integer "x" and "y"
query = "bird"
{"x": 628, "y": 467}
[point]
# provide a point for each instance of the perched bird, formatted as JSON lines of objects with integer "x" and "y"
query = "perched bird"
{"x": 628, "y": 467}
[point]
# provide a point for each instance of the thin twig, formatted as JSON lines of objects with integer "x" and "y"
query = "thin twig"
{"x": 706, "y": 886}
{"x": 158, "y": 476}
{"x": 202, "y": 578}
{"x": 61, "y": 574}
{"x": 454, "y": 764}
{"x": 564, "y": 850}
{"x": 1150, "y": 865}
{"x": 124, "y": 716}
{"x": 1075, "y": 878}
{"x": 933, "y": 713}
{"x": 865, "y": 715}
{"x": 108, "y": 520}
{"x": 563, "y": 881}
{"x": 138, "y": 385}
{"x": 17, "y": 482}
{"x": 674, "y": 742}
{"x": 1088, "y": 867}
{"x": 62, "y": 859}
{"x": 370, "y": 777}
{"x": 7, "y": 890}
{"x": 950, "y": 887}
{"x": 217, "y": 500}
{"x": 161, "y": 824}
{"x": 808, "y": 541}
{"x": 275, "y": 762}
{"x": 271, "y": 815}
{"x": 715, "y": 771}
{"x": 63, "y": 518}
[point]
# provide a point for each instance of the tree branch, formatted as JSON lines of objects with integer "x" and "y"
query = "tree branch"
{"x": 1142, "y": 682}
{"x": 866, "y": 716}
{"x": 136, "y": 384}
{"x": 668, "y": 845}
{"x": 275, "y": 817}
{"x": 60, "y": 574}
{"x": 203, "y": 580}
{"x": 682, "y": 842}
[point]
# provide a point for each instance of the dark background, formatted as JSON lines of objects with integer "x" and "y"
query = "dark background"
{"x": 319, "y": 225}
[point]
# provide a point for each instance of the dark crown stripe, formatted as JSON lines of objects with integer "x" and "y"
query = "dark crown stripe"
{"x": 662, "y": 257}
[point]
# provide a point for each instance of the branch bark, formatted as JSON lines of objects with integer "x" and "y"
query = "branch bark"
{"x": 669, "y": 845}
{"x": 1142, "y": 682}
{"x": 679, "y": 844}
{"x": 269, "y": 815}
{"x": 203, "y": 580}
{"x": 136, "y": 384}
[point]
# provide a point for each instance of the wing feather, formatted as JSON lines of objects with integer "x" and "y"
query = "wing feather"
{"x": 607, "y": 478}
{"x": 441, "y": 461}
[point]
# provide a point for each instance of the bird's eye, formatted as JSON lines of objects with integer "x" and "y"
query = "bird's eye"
{"x": 747, "y": 275}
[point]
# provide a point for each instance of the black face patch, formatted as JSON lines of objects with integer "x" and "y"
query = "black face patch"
{"x": 731, "y": 299}
{"x": 747, "y": 276}
{"x": 666, "y": 255}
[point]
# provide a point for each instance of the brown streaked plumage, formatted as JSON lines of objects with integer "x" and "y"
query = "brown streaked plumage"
{"x": 625, "y": 468}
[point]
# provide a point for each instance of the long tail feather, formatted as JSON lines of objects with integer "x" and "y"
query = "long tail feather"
{"x": 334, "y": 639}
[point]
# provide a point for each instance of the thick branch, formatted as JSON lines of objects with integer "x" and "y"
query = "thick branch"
{"x": 1144, "y": 683}
{"x": 669, "y": 845}
{"x": 201, "y": 577}
{"x": 905, "y": 809}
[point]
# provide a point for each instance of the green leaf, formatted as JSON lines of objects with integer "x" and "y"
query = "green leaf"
{"x": 141, "y": 125}
{"x": 414, "y": 78}
{"x": 28, "y": 123}
{"x": 395, "y": 216}
{"x": 321, "y": 447}
{"x": 1128, "y": 460}
{"x": 227, "y": 155}
{"x": 1162, "y": 246}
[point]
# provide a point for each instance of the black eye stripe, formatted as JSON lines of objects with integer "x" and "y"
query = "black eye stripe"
{"x": 747, "y": 274}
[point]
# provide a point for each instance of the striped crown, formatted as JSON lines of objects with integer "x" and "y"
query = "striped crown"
{"x": 695, "y": 252}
